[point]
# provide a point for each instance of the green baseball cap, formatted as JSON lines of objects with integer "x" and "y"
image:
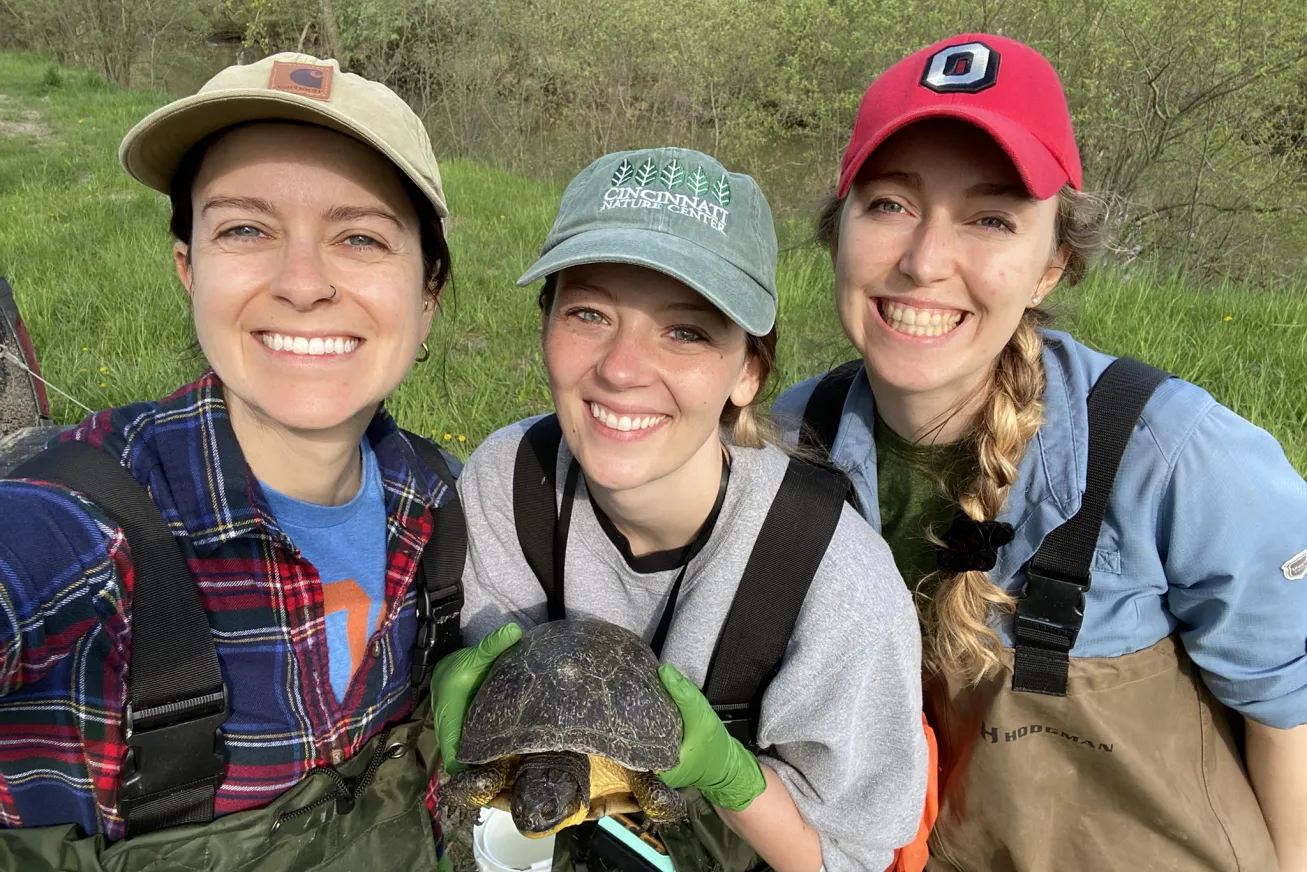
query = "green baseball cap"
{"x": 676, "y": 211}
{"x": 287, "y": 86}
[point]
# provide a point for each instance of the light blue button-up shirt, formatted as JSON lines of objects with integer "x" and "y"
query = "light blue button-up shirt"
{"x": 1200, "y": 535}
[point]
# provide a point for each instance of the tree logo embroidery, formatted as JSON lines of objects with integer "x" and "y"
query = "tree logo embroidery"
{"x": 670, "y": 188}
{"x": 961, "y": 69}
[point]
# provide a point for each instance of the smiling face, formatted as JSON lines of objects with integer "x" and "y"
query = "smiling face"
{"x": 305, "y": 274}
{"x": 939, "y": 253}
{"x": 641, "y": 367}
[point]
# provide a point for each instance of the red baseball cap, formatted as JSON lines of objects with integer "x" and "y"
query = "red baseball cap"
{"x": 1000, "y": 85}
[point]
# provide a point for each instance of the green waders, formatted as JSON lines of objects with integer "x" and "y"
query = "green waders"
{"x": 333, "y": 820}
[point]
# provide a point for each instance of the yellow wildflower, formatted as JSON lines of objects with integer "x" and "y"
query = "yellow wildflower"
{"x": 462, "y": 438}
{"x": 449, "y": 436}
{"x": 1229, "y": 317}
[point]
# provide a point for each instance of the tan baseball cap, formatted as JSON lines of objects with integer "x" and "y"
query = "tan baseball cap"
{"x": 292, "y": 87}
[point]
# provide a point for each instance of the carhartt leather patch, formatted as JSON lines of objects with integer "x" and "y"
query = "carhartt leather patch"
{"x": 309, "y": 80}
{"x": 1295, "y": 567}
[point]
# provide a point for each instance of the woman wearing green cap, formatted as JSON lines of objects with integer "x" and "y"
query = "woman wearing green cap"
{"x": 215, "y": 633}
{"x": 658, "y": 313}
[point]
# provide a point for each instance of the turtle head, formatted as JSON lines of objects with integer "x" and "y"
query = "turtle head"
{"x": 551, "y": 791}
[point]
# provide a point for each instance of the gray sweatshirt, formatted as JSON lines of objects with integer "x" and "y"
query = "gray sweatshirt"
{"x": 842, "y": 718}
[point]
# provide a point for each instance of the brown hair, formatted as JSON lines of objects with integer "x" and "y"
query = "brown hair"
{"x": 750, "y": 426}
{"x": 958, "y": 620}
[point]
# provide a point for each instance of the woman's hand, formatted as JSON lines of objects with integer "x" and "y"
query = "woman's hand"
{"x": 456, "y": 679}
{"x": 1277, "y": 766}
{"x": 751, "y": 799}
{"x": 712, "y": 760}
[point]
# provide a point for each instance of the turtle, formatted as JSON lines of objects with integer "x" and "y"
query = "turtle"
{"x": 572, "y": 723}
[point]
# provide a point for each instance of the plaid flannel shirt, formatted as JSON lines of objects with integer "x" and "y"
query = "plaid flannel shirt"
{"x": 66, "y": 580}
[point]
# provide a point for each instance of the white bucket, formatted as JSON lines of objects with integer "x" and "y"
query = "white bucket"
{"x": 499, "y": 847}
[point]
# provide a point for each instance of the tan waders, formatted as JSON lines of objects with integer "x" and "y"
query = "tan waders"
{"x": 1061, "y": 764}
{"x": 1136, "y": 768}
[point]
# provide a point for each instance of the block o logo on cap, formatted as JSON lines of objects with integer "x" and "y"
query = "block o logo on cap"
{"x": 962, "y": 69}
{"x": 310, "y": 80}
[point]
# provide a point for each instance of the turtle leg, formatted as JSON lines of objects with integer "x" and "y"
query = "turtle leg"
{"x": 660, "y": 803}
{"x": 475, "y": 787}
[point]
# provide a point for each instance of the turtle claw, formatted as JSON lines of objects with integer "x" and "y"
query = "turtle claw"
{"x": 659, "y": 803}
{"x": 475, "y": 787}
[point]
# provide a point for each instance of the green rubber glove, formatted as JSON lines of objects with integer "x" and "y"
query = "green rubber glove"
{"x": 455, "y": 680}
{"x": 712, "y": 759}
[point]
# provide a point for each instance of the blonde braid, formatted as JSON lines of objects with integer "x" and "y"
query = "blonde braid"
{"x": 961, "y": 640}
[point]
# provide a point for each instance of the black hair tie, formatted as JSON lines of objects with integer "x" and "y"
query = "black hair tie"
{"x": 972, "y": 546}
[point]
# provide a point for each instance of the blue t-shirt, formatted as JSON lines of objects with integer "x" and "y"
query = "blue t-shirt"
{"x": 347, "y": 545}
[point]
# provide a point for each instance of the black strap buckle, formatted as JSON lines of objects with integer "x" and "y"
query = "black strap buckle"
{"x": 172, "y": 745}
{"x": 1051, "y": 611}
{"x": 435, "y": 611}
{"x": 739, "y": 720}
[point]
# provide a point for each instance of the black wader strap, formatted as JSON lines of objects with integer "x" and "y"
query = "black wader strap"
{"x": 789, "y": 549}
{"x": 439, "y": 579}
{"x": 825, "y": 407}
{"x": 1052, "y": 607}
{"x": 535, "y": 507}
{"x": 177, "y": 699}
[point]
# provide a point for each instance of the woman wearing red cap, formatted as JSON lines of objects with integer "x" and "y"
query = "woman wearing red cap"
{"x": 1108, "y": 564}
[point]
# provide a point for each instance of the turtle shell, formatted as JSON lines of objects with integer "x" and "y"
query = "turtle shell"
{"x": 577, "y": 685}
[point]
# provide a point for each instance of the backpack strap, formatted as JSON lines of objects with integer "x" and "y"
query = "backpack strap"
{"x": 789, "y": 549}
{"x": 1052, "y": 606}
{"x": 825, "y": 407}
{"x": 177, "y": 700}
{"x": 439, "y": 579}
{"x": 535, "y": 510}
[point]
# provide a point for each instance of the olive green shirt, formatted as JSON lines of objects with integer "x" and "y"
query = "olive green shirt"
{"x": 912, "y": 483}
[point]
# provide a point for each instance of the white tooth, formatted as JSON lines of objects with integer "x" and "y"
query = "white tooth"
{"x": 646, "y": 422}
{"x": 351, "y": 345}
{"x": 282, "y": 343}
{"x": 300, "y": 345}
{"x": 910, "y": 316}
{"x": 935, "y": 319}
{"x": 315, "y": 345}
{"x": 624, "y": 423}
{"x": 896, "y": 312}
{"x": 265, "y": 339}
{"x": 335, "y": 346}
{"x": 594, "y": 410}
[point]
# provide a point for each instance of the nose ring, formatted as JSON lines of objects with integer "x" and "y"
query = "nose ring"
{"x": 333, "y": 292}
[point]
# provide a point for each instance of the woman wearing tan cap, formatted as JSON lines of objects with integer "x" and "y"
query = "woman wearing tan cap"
{"x": 220, "y": 609}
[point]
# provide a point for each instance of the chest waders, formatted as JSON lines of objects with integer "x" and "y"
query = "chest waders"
{"x": 369, "y": 812}
{"x": 749, "y": 649}
{"x": 1082, "y": 764}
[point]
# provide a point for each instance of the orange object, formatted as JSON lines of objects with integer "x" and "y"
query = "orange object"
{"x": 913, "y": 856}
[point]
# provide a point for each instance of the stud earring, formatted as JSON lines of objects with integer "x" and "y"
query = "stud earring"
{"x": 1035, "y": 300}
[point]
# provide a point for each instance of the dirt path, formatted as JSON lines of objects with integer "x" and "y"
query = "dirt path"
{"x": 17, "y": 122}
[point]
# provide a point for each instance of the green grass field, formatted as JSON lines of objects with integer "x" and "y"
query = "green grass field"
{"x": 88, "y": 253}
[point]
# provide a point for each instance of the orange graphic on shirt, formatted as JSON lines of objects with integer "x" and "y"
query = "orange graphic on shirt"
{"x": 346, "y": 596}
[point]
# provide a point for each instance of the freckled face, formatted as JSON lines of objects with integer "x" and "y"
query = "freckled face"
{"x": 305, "y": 275}
{"x": 640, "y": 367}
{"x": 940, "y": 250}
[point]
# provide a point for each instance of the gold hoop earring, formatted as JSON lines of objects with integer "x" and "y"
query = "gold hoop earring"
{"x": 426, "y": 353}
